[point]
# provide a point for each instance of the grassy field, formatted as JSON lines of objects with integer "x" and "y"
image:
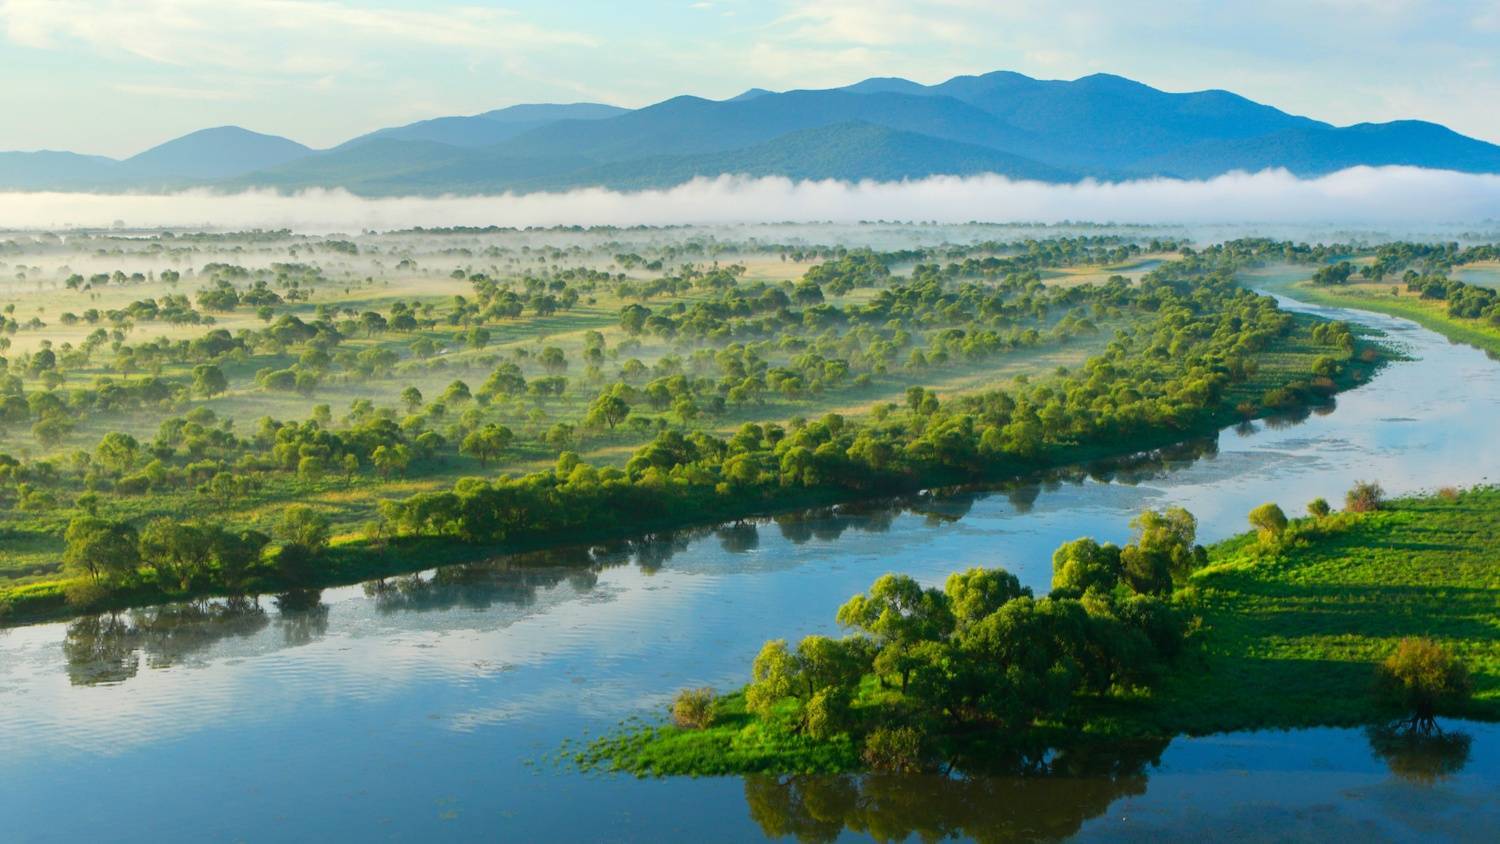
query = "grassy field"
{"x": 1290, "y": 639}
{"x": 1284, "y": 639}
{"x": 1386, "y": 298}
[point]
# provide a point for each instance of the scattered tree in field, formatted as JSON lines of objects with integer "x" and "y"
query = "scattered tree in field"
{"x": 1269, "y": 523}
{"x": 117, "y": 452}
{"x": 608, "y": 409}
{"x": 1364, "y": 497}
{"x": 692, "y": 709}
{"x": 100, "y": 548}
{"x": 209, "y": 380}
{"x": 1318, "y": 508}
{"x": 1421, "y": 677}
{"x": 487, "y": 443}
{"x": 302, "y": 525}
{"x": 412, "y": 398}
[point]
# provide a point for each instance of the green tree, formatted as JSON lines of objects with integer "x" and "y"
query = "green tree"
{"x": 1422, "y": 677}
{"x": 209, "y": 380}
{"x": 1084, "y": 564}
{"x": 412, "y": 398}
{"x": 302, "y": 525}
{"x": 117, "y": 452}
{"x": 99, "y": 548}
{"x": 1269, "y": 523}
{"x": 608, "y": 409}
{"x": 487, "y": 443}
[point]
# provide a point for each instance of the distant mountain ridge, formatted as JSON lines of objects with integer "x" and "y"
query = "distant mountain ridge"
{"x": 886, "y": 128}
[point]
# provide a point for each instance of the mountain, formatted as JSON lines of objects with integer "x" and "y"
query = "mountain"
{"x": 492, "y": 126}
{"x": 689, "y": 125}
{"x": 53, "y": 170}
{"x": 852, "y": 151}
{"x": 202, "y": 156}
{"x": 1317, "y": 151}
{"x": 887, "y": 128}
{"x": 212, "y": 154}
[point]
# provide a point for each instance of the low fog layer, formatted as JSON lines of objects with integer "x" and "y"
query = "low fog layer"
{"x": 1389, "y": 195}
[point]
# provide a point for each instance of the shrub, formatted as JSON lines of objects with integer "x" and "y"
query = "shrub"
{"x": 1269, "y": 522}
{"x": 894, "y": 749}
{"x": 1364, "y": 497}
{"x": 693, "y": 709}
{"x": 828, "y": 713}
{"x": 1448, "y": 493}
{"x": 1422, "y": 676}
{"x": 1318, "y": 508}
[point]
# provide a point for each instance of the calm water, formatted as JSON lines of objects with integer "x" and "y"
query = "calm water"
{"x": 422, "y": 710}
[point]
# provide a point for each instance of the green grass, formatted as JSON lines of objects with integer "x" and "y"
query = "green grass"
{"x": 1291, "y": 638}
{"x": 1287, "y": 639}
{"x": 1428, "y": 313}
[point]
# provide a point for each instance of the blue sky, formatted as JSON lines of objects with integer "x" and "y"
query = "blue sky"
{"x": 116, "y": 76}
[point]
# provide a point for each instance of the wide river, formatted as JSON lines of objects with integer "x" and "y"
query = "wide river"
{"x": 431, "y": 709}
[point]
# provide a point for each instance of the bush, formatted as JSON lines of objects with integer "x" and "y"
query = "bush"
{"x": 1422, "y": 676}
{"x": 828, "y": 713}
{"x": 1269, "y": 523}
{"x": 1364, "y": 497}
{"x": 1318, "y": 508}
{"x": 693, "y": 709}
{"x": 1448, "y": 493}
{"x": 894, "y": 749}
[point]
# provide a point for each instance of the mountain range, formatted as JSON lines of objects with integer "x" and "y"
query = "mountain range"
{"x": 1101, "y": 126}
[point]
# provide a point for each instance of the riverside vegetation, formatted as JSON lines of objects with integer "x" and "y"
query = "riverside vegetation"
{"x": 228, "y": 414}
{"x": 1383, "y": 614}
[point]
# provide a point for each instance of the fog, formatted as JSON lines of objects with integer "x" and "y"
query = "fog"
{"x": 1404, "y": 196}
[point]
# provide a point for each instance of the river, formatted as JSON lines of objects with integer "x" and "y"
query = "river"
{"x": 429, "y": 708}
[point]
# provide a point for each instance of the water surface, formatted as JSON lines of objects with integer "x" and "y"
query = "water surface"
{"x": 422, "y": 709}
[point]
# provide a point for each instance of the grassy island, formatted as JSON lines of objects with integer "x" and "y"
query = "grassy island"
{"x": 1286, "y": 626}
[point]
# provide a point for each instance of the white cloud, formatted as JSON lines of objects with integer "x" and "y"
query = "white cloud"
{"x": 296, "y": 36}
{"x": 1394, "y": 195}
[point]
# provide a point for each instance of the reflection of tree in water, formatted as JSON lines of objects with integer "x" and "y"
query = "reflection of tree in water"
{"x": 108, "y": 648}
{"x": 1287, "y": 419}
{"x": 516, "y": 579}
{"x": 1417, "y": 756}
{"x": 1050, "y": 803}
{"x": 739, "y": 537}
{"x": 302, "y": 616}
{"x": 827, "y": 524}
{"x": 945, "y": 508}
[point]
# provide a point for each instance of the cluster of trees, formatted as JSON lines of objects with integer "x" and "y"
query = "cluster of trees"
{"x": 983, "y": 651}
{"x": 1173, "y": 376}
{"x": 180, "y": 555}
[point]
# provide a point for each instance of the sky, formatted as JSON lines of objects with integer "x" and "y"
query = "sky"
{"x": 114, "y": 77}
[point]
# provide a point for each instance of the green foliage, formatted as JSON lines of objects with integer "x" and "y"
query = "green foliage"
{"x": 1269, "y": 523}
{"x": 1364, "y": 497}
{"x": 693, "y": 709}
{"x": 895, "y": 750}
{"x": 1422, "y": 677}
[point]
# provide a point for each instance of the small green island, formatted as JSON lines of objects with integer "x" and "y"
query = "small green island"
{"x": 1384, "y": 614}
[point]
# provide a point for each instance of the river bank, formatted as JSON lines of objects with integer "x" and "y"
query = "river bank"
{"x": 1283, "y": 636}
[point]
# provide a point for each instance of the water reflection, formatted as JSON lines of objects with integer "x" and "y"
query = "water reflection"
{"x": 1050, "y": 801}
{"x": 108, "y": 648}
{"x": 1420, "y": 757}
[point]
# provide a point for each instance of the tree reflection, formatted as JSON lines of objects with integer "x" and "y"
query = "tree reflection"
{"x": 1050, "y": 802}
{"x": 109, "y": 648}
{"x": 1417, "y": 756}
{"x": 301, "y": 616}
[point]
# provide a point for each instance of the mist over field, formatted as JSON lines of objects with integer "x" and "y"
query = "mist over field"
{"x": 1359, "y": 195}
